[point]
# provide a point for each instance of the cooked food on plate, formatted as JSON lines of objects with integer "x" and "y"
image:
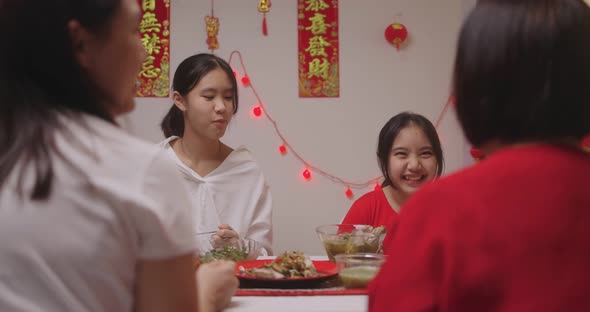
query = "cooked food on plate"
{"x": 292, "y": 264}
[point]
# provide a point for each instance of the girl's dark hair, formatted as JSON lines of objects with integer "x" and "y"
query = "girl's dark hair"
{"x": 41, "y": 78}
{"x": 187, "y": 76}
{"x": 522, "y": 71}
{"x": 390, "y": 131}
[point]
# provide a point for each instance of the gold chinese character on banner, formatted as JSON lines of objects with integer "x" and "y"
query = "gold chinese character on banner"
{"x": 148, "y": 69}
{"x": 317, "y": 45}
{"x": 319, "y": 69}
{"x": 316, "y": 5}
{"x": 318, "y": 24}
{"x": 148, "y": 5}
{"x": 151, "y": 44}
{"x": 149, "y": 23}
{"x": 318, "y": 51}
{"x": 153, "y": 80}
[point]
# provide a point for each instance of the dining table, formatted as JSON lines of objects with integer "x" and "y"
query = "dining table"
{"x": 329, "y": 297}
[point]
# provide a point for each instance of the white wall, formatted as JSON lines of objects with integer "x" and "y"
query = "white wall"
{"x": 339, "y": 135}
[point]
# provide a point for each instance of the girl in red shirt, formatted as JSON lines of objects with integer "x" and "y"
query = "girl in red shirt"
{"x": 410, "y": 155}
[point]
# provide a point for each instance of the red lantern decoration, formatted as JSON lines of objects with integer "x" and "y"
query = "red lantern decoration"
{"x": 396, "y": 34}
{"x": 264, "y": 7}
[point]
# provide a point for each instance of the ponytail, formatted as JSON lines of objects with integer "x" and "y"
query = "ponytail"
{"x": 173, "y": 123}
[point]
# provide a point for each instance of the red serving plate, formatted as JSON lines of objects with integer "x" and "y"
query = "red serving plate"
{"x": 326, "y": 269}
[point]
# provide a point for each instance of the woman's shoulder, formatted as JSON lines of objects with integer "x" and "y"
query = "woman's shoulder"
{"x": 103, "y": 135}
{"x": 105, "y": 152}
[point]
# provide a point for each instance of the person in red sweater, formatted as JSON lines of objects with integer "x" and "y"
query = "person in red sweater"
{"x": 511, "y": 232}
{"x": 410, "y": 155}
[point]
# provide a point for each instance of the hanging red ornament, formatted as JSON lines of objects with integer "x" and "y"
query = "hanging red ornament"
{"x": 477, "y": 154}
{"x": 306, "y": 174}
{"x": 283, "y": 149}
{"x": 377, "y": 186}
{"x": 212, "y": 27}
{"x": 586, "y": 143}
{"x": 235, "y": 74}
{"x": 264, "y": 7}
{"x": 257, "y": 111}
{"x": 245, "y": 81}
{"x": 349, "y": 193}
{"x": 396, "y": 34}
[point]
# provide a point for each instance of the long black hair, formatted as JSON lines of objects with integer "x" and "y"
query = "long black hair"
{"x": 391, "y": 130}
{"x": 41, "y": 78}
{"x": 187, "y": 76}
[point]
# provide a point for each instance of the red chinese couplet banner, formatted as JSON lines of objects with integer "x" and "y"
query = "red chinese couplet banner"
{"x": 318, "y": 48}
{"x": 154, "y": 31}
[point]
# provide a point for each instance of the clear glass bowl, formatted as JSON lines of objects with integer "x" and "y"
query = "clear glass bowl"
{"x": 349, "y": 239}
{"x": 357, "y": 270}
{"x": 233, "y": 249}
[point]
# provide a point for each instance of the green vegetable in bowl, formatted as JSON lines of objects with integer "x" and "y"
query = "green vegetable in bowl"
{"x": 225, "y": 253}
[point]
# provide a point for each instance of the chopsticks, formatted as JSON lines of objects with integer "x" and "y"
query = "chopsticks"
{"x": 210, "y": 232}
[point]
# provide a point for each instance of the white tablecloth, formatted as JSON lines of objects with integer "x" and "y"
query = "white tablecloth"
{"x": 299, "y": 303}
{"x": 303, "y": 303}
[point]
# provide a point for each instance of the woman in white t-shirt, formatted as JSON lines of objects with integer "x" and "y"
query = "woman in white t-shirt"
{"x": 230, "y": 194}
{"x": 91, "y": 219}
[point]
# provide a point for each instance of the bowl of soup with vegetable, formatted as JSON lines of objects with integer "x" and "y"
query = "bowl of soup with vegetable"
{"x": 350, "y": 239}
{"x": 357, "y": 270}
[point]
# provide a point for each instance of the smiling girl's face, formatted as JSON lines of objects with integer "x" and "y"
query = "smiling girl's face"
{"x": 412, "y": 161}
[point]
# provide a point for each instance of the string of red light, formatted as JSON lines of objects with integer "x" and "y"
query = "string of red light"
{"x": 260, "y": 109}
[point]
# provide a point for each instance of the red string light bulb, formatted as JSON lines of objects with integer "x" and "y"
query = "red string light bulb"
{"x": 257, "y": 111}
{"x": 476, "y": 153}
{"x": 453, "y": 100}
{"x": 306, "y": 174}
{"x": 283, "y": 149}
{"x": 245, "y": 81}
{"x": 349, "y": 193}
{"x": 586, "y": 143}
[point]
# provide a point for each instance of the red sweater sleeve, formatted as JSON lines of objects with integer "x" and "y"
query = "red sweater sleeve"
{"x": 408, "y": 280}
